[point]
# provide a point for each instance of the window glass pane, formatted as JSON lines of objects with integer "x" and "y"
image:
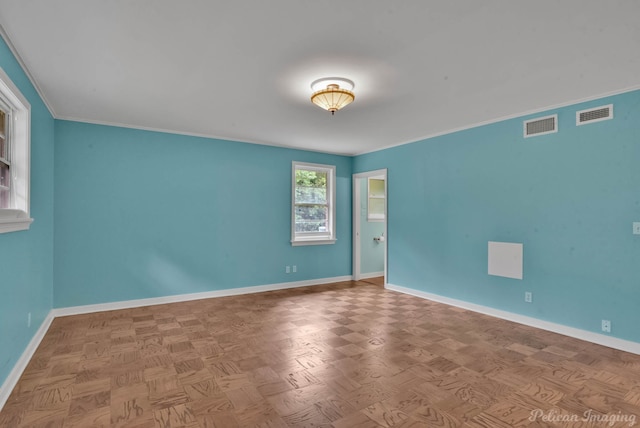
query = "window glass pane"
{"x": 312, "y": 218}
{"x": 376, "y": 208}
{"x": 376, "y": 187}
{"x": 311, "y": 195}
{"x": 3, "y": 135}
{"x": 4, "y": 198}
{"x": 4, "y": 174}
{"x": 311, "y": 187}
{"x": 4, "y": 185}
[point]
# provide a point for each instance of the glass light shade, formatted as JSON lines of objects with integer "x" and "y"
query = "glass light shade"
{"x": 333, "y": 98}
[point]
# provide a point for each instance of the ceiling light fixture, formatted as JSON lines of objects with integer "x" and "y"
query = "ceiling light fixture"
{"x": 332, "y": 93}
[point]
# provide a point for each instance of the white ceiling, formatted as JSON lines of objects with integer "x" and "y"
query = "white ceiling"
{"x": 241, "y": 70}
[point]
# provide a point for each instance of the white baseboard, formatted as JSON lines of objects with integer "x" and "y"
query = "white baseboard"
{"x": 600, "y": 339}
{"x": 127, "y": 304}
{"x": 371, "y": 275}
{"x": 14, "y": 375}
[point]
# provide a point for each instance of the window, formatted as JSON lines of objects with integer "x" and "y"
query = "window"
{"x": 376, "y": 199}
{"x": 313, "y": 204}
{"x": 14, "y": 157}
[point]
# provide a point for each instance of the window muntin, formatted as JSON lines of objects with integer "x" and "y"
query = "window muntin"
{"x": 313, "y": 210}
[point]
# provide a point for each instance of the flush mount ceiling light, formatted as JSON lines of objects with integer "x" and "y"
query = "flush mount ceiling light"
{"x": 332, "y": 93}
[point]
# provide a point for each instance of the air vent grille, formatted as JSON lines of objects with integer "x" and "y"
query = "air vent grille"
{"x": 594, "y": 115}
{"x": 541, "y": 125}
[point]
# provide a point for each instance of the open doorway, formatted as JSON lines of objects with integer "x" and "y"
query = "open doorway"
{"x": 370, "y": 226}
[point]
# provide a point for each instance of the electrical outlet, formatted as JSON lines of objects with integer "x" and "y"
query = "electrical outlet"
{"x": 29, "y": 319}
{"x": 287, "y": 269}
{"x": 636, "y": 227}
{"x": 606, "y": 326}
{"x": 528, "y": 296}
{"x": 294, "y": 268}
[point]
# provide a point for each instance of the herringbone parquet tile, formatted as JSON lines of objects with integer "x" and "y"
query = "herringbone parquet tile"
{"x": 339, "y": 355}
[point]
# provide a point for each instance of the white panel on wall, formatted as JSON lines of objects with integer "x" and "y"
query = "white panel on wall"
{"x": 505, "y": 259}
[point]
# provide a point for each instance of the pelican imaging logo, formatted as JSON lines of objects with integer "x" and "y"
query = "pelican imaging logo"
{"x": 589, "y": 416}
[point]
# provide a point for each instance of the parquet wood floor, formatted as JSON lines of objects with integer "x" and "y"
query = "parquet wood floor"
{"x": 341, "y": 355}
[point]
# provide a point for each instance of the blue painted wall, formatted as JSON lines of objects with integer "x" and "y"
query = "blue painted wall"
{"x": 569, "y": 197}
{"x": 143, "y": 214}
{"x": 371, "y": 252}
{"x": 26, "y": 257}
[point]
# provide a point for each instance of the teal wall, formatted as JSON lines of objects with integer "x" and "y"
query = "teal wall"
{"x": 569, "y": 197}
{"x": 143, "y": 214}
{"x": 26, "y": 257}
{"x": 371, "y": 252}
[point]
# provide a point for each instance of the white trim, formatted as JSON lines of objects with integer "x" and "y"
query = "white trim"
{"x": 127, "y": 304}
{"x": 15, "y": 373}
{"x": 578, "y": 113}
{"x": 14, "y": 225}
{"x": 311, "y": 241}
{"x": 599, "y": 339}
{"x": 537, "y": 119}
{"x": 503, "y": 118}
{"x": 371, "y": 275}
{"x": 355, "y": 228}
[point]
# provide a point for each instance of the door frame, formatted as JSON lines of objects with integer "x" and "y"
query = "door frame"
{"x": 357, "y": 252}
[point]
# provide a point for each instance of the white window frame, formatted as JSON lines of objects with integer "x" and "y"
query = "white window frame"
{"x": 317, "y": 238}
{"x": 17, "y": 216}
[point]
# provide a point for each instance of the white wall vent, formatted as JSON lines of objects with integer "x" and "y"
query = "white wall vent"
{"x": 594, "y": 114}
{"x": 541, "y": 126}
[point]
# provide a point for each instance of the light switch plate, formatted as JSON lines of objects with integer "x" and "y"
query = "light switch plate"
{"x": 636, "y": 227}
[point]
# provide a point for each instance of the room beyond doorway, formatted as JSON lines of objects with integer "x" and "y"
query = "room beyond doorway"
{"x": 370, "y": 225}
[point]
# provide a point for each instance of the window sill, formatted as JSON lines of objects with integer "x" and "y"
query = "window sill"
{"x": 322, "y": 241}
{"x": 12, "y": 220}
